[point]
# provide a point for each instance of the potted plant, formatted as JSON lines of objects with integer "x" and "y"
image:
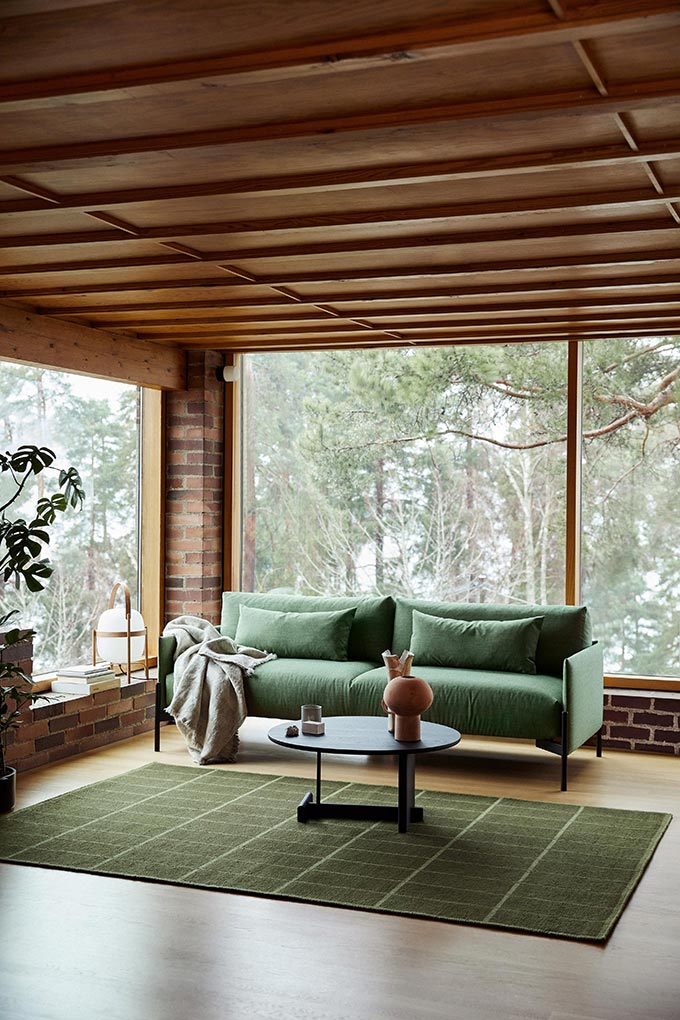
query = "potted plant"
{"x": 22, "y": 544}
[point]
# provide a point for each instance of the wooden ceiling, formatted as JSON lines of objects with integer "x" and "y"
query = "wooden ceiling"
{"x": 287, "y": 174}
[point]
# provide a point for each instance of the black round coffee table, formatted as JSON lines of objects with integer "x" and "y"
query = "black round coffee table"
{"x": 365, "y": 734}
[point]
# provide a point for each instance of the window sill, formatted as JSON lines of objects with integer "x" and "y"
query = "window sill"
{"x": 136, "y": 686}
{"x": 641, "y": 683}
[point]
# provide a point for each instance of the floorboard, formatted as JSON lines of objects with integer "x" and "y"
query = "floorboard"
{"x": 78, "y": 945}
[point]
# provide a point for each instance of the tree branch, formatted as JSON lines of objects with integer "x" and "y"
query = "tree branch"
{"x": 638, "y": 354}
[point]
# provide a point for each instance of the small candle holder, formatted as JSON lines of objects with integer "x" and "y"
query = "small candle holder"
{"x": 311, "y": 721}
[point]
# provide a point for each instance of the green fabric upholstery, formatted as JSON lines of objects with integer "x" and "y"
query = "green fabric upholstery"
{"x": 296, "y": 635}
{"x": 166, "y": 664}
{"x": 495, "y": 645}
{"x": 565, "y": 631}
{"x": 582, "y": 695}
{"x": 474, "y": 701}
{"x": 277, "y": 689}
{"x": 371, "y": 631}
{"x": 169, "y": 687}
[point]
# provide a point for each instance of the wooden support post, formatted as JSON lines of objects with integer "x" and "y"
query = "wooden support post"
{"x": 232, "y": 478}
{"x": 573, "y": 482}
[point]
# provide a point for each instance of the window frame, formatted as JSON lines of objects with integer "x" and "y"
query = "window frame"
{"x": 151, "y": 520}
{"x": 233, "y": 524}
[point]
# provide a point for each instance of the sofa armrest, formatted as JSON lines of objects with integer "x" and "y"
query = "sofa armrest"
{"x": 166, "y": 664}
{"x": 583, "y": 694}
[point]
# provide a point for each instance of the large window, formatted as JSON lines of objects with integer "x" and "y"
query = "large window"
{"x": 441, "y": 473}
{"x": 92, "y": 424}
{"x": 434, "y": 472}
{"x": 631, "y": 480}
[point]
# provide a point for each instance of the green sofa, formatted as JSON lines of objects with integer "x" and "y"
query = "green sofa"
{"x": 559, "y": 706}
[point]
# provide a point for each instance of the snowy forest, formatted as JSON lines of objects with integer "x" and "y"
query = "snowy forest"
{"x": 91, "y": 424}
{"x": 440, "y": 473}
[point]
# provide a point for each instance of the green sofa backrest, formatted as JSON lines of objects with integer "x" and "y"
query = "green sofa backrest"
{"x": 565, "y": 631}
{"x": 371, "y": 631}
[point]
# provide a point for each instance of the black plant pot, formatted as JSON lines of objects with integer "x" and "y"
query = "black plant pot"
{"x": 8, "y": 790}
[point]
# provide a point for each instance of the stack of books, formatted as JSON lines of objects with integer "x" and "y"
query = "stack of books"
{"x": 85, "y": 679}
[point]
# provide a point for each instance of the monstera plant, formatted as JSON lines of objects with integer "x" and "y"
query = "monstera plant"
{"x": 23, "y": 541}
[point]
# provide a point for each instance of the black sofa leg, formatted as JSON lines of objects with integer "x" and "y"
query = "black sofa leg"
{"x": 598, "y": 751}
{"x": 157, "y": 719}
{"x": 559, "y": 747}
{"x": 563, "y": 754}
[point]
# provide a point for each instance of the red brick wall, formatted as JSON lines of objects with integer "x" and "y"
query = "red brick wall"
{"x": 194, "y": 518}
{"x": 58, "y": 729}
{"x": 642, "y": 721}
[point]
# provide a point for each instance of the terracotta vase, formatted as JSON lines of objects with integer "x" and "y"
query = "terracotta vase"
{"x": 396, "y": 665}
{"x": 407, "y": 697}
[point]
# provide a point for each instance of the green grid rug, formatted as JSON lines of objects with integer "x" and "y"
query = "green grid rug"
{"x": 554, "y": 869}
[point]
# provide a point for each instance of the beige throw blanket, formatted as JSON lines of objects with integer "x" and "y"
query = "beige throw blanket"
{"x": 208, "y": 701}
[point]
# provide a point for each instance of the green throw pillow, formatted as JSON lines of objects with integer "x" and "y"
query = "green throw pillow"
{"x": 506, "y": 646}
{"x": 296, "y": 635}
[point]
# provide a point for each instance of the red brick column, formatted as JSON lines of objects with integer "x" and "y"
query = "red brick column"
{"x": 194, "y": 491}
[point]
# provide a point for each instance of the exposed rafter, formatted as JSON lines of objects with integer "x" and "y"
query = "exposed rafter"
{"x": 123, "y": 231}
{"x": 527, "y": 158}
{"x": 343, "y": 179}
{"x": 439, "y": 39}
{"x": 622, "y": 98}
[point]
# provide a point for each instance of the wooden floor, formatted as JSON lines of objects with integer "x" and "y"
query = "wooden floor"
{"x": 81, "y": 946}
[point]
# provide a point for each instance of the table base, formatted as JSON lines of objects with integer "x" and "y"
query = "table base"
{"x": 403, "y": 813}
{"x": 308, "y": 810}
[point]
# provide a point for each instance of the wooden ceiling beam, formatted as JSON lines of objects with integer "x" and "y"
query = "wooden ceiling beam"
{"x": 349, "y": 179}
{"x": 574, "y": 331}
{"x": 243, "y": 344}
{"x": 33, "y": 339}
{"x": 621, "y": 98}
{"x": 227, "y": 315}
{"x": 424, "y": 272}
{"x": 444, "y": 290}
{"x": 640, "y": 197}
{"x": 106, "y": 287}
{"x": 597, "y": 229}
{"x": 440, "y": 39}
{"x": 590, "y": 65}
{"x": 250, "y": 310}
{"x": 468, "y": 269}
{"x": 46, "y": 198}
{"x": 80, "y": 265}
{"x": 268, "y": 346}
{"x": 168, "y": 331}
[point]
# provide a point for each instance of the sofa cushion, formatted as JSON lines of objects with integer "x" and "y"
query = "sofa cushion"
{"x": 296, "y": 635}
{"x": 277, "y": 689}
{"x": 476, "y": 701}
{"x": 371, "y": 631}
{"x": 565, "y": 631}
{"x": 501, "y": 645}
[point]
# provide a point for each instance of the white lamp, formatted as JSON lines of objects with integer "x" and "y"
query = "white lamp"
{"x": 121, "y": 636}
